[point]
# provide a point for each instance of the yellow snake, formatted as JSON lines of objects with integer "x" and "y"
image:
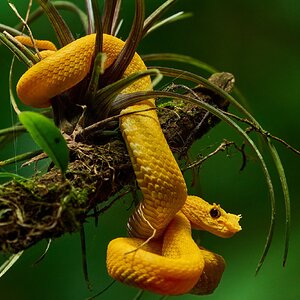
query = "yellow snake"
{"x": 160, "y": 256}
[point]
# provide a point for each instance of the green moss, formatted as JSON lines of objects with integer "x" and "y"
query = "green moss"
{"x": 170, "y": 103}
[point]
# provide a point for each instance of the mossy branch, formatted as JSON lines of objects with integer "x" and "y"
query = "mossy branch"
{"x": 45, "y": 207}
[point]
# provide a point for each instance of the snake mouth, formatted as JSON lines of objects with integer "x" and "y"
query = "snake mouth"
{"x": 225, "y": 227}
{"x": 230, "y": 226}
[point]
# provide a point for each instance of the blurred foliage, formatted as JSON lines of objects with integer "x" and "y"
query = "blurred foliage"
{"x": 258, "y": 41}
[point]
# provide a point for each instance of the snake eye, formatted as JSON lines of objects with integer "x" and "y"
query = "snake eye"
{"x": 215, "y": 213}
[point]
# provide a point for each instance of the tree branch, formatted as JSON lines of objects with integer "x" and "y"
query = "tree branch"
{"x": 46, "y": 207}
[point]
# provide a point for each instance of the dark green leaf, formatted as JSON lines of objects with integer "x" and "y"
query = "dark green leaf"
{"x": 9, "y": 134}
{"x": 103, "y": 105}
{"x": 116, "y": 70}
{"x": 180, "y": 58}
{"x": 154, "y": 17}
{"x": 174, "y": 18}
{"x": 65, "y": 5}
{"x": 10, "y": 29}
{"x": 47, "y": 136}
{"x": 60, "y": 27}
{"x": 98, "y": 69}
{"x": 11, "y": 175}
{"x": 110, "y": 15}
{"x": 98, "y": 27}
{"x": 21, "y": 157}
{"x": 22, "y": 54}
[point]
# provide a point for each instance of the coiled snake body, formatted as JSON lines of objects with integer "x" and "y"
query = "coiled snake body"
{"x": 169, "y": 262}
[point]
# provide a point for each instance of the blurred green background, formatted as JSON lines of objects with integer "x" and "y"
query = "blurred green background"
{"x": 259, "y": 42}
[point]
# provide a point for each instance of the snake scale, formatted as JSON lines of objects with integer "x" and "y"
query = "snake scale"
{"x": 160, "y": 255}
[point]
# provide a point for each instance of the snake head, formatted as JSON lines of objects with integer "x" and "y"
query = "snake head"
{"x": 211, "y": 217}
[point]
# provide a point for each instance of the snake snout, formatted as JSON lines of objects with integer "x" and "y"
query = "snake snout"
{"x": 230, "y": 226}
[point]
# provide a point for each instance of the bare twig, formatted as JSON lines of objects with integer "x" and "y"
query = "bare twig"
{"x": 222, "y": 147}
{"x": 254, "y": 127}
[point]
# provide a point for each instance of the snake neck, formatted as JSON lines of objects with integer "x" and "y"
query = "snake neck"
{"x": 156, "y": 170}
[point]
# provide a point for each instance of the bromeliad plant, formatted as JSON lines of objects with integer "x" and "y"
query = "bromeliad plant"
{"x": 80, "y": 132}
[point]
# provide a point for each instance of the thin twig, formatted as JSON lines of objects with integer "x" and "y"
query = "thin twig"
{"x": 27, "y": 27}
{"x": 221, "y": 147}
{"x": 263, "y": 132}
